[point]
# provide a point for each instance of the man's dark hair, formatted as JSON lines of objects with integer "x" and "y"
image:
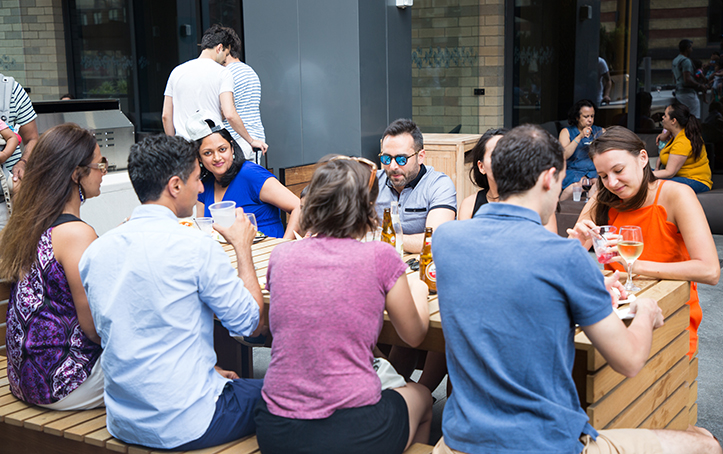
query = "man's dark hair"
{"x": 218, "y": 35}
{"x": 521, "y": 156}
{"x": 684, "y": 45}
{"x": 155, "y": 160}
{"x": 235, "y": 50}
{"x": 405, "y": 126}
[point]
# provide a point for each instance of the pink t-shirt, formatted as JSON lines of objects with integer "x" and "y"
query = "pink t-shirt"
{"x": 326, "y": 312}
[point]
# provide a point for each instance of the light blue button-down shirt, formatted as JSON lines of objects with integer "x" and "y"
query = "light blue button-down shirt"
{"x": 153, "y": 287}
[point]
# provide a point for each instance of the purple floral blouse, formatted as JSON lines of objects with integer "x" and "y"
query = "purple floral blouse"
{"x": 49, "y": 356}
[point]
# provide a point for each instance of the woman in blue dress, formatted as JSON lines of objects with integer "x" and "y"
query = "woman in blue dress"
{"x": 576, "y": 140}
{"x": 227, "y": 175}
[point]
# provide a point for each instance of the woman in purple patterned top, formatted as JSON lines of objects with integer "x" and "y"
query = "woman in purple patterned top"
{"x": 52, "y": 344}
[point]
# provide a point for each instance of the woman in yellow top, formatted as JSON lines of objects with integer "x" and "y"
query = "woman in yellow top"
{"x": 684, "y": 158}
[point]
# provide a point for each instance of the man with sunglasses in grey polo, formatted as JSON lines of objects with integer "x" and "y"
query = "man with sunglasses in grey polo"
{"x": 426, "y": 198}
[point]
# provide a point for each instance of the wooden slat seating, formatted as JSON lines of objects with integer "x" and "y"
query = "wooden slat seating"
{"x": 297, "y": 178}
{"x": 663, "y": 393}
{"x": 29, "y": 429}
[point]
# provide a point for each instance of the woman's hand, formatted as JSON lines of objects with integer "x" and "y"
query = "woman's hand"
{"x": 582, "y": 231}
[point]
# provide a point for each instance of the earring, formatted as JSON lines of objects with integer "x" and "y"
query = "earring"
{"x": 80, "y": 192}
{"x": 234, "y": 156}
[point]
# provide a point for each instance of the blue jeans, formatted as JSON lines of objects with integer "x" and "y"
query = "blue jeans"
{"x": 697, "y": 186}
{"x": 234, "y": 415}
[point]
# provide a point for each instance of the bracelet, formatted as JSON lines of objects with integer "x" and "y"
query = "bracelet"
{"x": 22, "y": 160}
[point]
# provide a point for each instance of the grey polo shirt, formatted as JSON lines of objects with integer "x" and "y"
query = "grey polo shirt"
{"x": 429, "y": 190}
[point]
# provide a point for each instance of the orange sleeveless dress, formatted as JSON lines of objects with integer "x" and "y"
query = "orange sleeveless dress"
{"x": 662, "y": 243}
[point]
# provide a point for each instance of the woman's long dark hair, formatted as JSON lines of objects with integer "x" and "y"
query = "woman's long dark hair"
{"x": 691, "y": 124}
{"x": 236, "y": 164}
{"x": 618, "y": 138}
{"x": 47, "y": 186}
{"x": 477, "y": 153}
{"x": 339, "y": 203}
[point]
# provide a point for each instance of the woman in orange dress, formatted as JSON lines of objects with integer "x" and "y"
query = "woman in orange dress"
{"x": 677, "y": 240}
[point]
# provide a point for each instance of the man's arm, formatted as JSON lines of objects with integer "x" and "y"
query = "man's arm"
{"x": 607, "y": 85}
{"x": 29, "y": 133}
{"x": 435, "y": 218}
{"x": 167, "y": 116}
{"x": 689, "y": 81}
{"x": 229, "y": 111}
{"x": 627, "y": 349}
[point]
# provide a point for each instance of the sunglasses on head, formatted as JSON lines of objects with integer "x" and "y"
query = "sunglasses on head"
{"x": 401, "y": 159}
{"x": 372, "y": 166}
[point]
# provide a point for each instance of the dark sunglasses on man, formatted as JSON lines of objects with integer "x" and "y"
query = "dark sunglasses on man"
{"x": 401, "y": 159}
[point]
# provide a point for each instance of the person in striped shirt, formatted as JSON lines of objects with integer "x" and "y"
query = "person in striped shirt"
{"x": 21, "y": 118}
{"x": 247, "y": 97}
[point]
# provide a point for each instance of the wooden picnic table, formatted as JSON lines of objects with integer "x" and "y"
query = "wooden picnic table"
{"x": 662, "y": 395}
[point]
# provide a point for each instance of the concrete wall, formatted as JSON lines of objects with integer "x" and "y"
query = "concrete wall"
{"x": 33, "y": 46}
{"x": 334, "y": 73}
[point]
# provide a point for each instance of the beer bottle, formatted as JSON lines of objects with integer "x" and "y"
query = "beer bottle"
{"x": 388, "y": 234}
{"x": 427, "y": 270}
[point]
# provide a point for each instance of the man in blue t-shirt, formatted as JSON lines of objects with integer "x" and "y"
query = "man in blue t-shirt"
{"x": 510, "y": 295}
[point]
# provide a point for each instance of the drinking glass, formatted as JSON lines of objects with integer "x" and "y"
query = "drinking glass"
{"x": 604, "y": 238}
{"x": 252, "y": 220}
{"x": 630, "y": 247}
{"x": 586, "y": 184}
{"x": 224, "y": 213}
{"x": 397, "y": 224}
{"x": 205, "y": 224}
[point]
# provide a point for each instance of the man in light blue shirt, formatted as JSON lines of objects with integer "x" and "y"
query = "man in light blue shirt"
{"x": 153, "y": 287}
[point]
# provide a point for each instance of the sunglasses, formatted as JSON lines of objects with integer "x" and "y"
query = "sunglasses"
{"x": 372, "y": 166}
{"x": 102, "y": 165}
{"x": 401, "y": 159}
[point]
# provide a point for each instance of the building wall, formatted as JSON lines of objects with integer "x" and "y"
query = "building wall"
{"x": 457, "y": 46}
{"x": 33, "y": 46}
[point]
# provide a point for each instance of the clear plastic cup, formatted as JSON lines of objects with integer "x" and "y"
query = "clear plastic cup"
{"x": 576, "y": 193}
{"x": 205, "y": 224}
{"x": 224, "y": 213}
{"x": 604, "y": 239}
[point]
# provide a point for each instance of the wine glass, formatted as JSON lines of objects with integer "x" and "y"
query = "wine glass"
{"x": 630, "y": 247}
{"x": 586, "y": 184}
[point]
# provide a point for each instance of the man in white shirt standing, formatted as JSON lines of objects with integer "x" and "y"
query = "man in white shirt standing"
{"x": 153, "y": 288}
{"x": 203, "y": 84}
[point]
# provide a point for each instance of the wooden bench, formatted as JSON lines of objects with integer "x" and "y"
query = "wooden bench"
{"x": 29, "y": 429}
{"x": 297, "y": 178}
